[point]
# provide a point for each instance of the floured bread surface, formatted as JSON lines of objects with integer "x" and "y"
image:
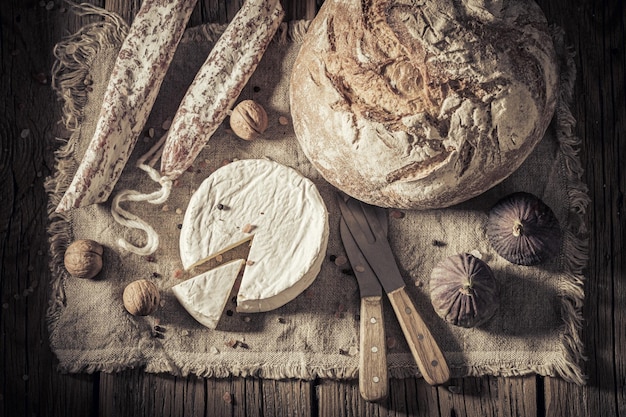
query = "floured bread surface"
{"x": 282, "y": 214}
{"x": 205, "y": 296}
{"x": 423, "y": 104}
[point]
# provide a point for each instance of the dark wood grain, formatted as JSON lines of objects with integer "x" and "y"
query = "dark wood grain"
{"x": 30, "y": 384}
{"x": 596, "y": 30}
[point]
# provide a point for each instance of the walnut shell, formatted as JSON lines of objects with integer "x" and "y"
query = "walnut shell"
{"x": 83, "y": 258}
{"x": 464, "y": 291}
{"x": 141, "y": 297}
{"x": 248, "y": 120}
{"x": 523, "y": 229}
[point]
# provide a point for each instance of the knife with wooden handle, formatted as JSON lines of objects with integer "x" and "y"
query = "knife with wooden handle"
{"x": 364, "y": 224}
{"x": 373, "y": 380}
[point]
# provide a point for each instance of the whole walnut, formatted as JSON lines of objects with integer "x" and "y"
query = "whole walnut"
{"x": 83, "y": 258}
{"x": 141, "y": 297}
{"x": 248, "y": 120}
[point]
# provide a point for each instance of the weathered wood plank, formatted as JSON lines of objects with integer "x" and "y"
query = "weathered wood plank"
{"x": 30, "y": 384}
{"x": 208, "y": 11}
{"x": 407, "y": 397}
{"x": 126, "y": 8}
{"x": 490, "y": 396}
{"x": 136, "y": 393}
{"x": 287, "y": 398}
{"x": 596, "y": 30}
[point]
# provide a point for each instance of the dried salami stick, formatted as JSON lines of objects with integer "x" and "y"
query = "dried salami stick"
{"x": 136, "y": 78}
{"x": 219, "y": 82}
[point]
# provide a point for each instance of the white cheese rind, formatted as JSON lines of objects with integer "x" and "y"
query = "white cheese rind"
{"x": 289, "y": 223}
{"x": 205, "y": 296}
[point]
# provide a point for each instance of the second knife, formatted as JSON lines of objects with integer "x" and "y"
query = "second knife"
{"x": 373, "y": 380}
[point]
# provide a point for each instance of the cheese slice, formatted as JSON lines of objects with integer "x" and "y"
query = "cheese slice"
{"x": 275, "y": 207}
{"x": 205, "y": 296}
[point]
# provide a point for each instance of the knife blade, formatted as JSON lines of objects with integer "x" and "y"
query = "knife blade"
{"x": 373, "y": 380}
{"x": 363, "y": 222}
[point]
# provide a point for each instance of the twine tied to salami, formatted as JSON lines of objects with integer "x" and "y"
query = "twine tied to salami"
{"x": 125, "y": 218}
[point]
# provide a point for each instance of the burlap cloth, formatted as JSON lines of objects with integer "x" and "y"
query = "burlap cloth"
{"x": 317, "y": 335}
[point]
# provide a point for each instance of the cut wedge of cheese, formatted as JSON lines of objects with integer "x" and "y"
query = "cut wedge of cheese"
{"x": 275, "y": 207}
{"x": 205, "y": 296}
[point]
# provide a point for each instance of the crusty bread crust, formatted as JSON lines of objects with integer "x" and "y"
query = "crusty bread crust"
{"x": 423, "y": 104}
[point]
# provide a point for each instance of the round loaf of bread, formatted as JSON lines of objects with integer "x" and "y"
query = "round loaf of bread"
{"x": 423, "y": 103}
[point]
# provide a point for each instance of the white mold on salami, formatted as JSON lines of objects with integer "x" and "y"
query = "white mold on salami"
{"x": 219, "y": 82}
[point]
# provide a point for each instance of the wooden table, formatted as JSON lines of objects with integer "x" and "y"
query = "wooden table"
{"x": 29, "y": 383}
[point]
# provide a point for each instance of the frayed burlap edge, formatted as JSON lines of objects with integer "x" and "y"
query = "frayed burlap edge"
{"x": 70, "y": 81}
{"x": 576, "y": 254}
{"x": 74, "y": 56}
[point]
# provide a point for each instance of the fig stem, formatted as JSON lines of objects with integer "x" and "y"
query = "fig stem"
{"x": 466, "y": 289}
{"x": 518, "y": 228}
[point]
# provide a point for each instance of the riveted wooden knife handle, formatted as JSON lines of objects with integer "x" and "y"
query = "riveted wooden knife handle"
{"x": 373, "y": 382}
{"x": 430, "y": 360}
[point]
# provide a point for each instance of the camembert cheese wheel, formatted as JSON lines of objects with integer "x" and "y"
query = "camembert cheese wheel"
{"x": 205, "y": 296}
{"x": 276, "y": 208}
